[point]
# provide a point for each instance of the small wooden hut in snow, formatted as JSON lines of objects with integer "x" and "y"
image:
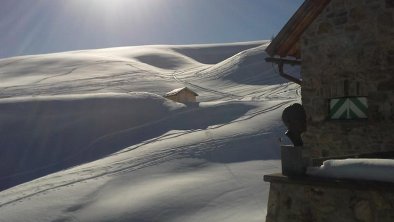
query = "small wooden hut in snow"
{"x": 182, "y": 95}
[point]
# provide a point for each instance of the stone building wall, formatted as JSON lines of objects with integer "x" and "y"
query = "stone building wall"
{"x": 311, "y": 203}
{"x": 349, "y": 51}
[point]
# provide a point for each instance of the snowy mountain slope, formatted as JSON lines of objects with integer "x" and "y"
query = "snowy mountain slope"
{"x": 136, "y": 156}
{"x": 240, "y": 77}
{"x": 63, "y": 128}
{"x": 212, "y": 54}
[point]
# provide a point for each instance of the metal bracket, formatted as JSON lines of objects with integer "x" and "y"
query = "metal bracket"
{"x": 280, "y": 62}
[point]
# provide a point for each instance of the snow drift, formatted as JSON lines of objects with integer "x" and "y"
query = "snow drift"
{"x": 359, "y": 169}
{"x": 86, "y": 135}
{"x": 46, "y": 134}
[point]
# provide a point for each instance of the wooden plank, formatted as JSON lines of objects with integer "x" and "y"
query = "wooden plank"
{"x": 286, "y": 42}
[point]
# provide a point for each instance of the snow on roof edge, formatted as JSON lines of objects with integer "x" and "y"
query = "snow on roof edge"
{"x": 176, "y": 91}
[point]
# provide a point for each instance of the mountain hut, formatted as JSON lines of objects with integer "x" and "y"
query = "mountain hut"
{"x": 182, "y": 95}
{"x": 346, "y": 52}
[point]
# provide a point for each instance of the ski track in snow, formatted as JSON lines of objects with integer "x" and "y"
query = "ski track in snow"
{"x": 156, "y": 158}
{"x": 267, "y": 99}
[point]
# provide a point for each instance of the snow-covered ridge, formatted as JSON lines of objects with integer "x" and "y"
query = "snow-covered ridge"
{"x": 124, "y": 69}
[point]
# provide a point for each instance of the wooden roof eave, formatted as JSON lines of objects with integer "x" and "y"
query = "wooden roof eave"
{"x": 285, "y": 43}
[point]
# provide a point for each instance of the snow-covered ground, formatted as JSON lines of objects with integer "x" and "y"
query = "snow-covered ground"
{"x": 87, "y": 136}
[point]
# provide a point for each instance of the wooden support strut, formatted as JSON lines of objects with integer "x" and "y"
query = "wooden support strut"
{"x": 280, "y": 62}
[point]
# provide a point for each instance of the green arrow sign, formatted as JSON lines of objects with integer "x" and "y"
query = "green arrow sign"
{"x": 349, "y": 108}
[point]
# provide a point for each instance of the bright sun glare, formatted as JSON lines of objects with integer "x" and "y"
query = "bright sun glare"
{"x": 115, "y": 11}
{"x": 114, "y": 6}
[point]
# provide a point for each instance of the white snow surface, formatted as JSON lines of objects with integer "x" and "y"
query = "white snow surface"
{"x": 360, "y": 169}
{"x": 85, "y": 135}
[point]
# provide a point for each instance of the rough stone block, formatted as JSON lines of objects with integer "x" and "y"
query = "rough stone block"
{"x": 340, "y": 20}
{"x": 358, "y": 14}
{"x": 389, "y": 3}
{"x": 352, "y": 28}
{"x": 325, "y": 28}
{"x": 386, "y": 85}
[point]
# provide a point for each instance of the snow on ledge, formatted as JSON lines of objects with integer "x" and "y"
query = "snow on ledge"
{"x": 362, "y": 169}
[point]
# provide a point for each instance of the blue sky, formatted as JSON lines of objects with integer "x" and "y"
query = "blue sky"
{"x": 44, "y": 26}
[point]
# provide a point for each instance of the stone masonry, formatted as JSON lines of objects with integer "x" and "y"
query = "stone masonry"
{"x": 349, "y": 51}
{"x": 311, "y": 203}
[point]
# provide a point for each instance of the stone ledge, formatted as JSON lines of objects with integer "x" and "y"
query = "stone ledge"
{"x": 330, "y": 182}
